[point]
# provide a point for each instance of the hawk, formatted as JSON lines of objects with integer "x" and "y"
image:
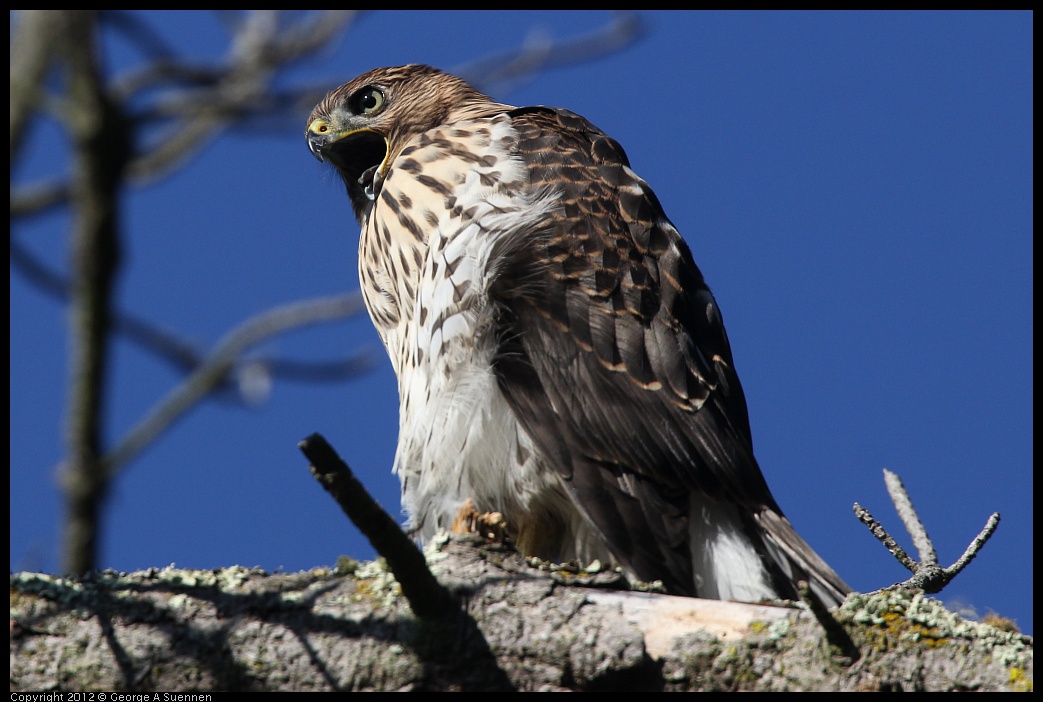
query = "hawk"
{"x": 559, "y": 357}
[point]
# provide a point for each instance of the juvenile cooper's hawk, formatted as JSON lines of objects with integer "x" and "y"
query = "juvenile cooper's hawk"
{"x": 559, "y": 357}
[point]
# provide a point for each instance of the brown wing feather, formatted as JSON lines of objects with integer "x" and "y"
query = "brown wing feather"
{"x": 612, "y": 288}
{"x": 616, "y": 359}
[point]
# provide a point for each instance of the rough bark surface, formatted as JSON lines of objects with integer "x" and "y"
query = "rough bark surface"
{"x": 522, "y": 626}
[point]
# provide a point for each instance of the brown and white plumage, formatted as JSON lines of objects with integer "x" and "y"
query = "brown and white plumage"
{"x": 559, "y": 357}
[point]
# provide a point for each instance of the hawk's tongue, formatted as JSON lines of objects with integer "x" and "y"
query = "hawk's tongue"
{"x": 366, "y": 180}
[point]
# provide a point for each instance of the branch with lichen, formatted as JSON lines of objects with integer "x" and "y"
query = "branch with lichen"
{"x": 243, "y": 629}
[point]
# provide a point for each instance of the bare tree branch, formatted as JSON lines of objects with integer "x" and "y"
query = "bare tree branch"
{"x": 101, "y": 151}
{"x": 975, "y": 545}
{"x": 215, "y": 97}
{"x": 877, "y": 529}
{"x": 927, "y": 574}
{"x": 540, "y": 52}
{"x": 171, "y": 348}
{"x": 34, "y": 42}
{"x": 258, "y": 49}
{"x": 215, "y": 369}
{"x": 139, "y": 33}
{"x": 911, "y": 520}
{"x": 426, "y": 596}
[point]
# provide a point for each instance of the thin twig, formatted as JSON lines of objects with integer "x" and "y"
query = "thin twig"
{"x": 881, "y": 534}
{"x": 972, "y": 550}
{"x": 539, "y": 52}
{"x": 911, "y": 520}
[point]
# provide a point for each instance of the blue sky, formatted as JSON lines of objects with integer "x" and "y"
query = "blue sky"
{"x": 856, "y": 187}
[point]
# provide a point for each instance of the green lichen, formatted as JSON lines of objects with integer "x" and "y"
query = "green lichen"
{"x": 376, "y": 583}
{"x": 898, "y": 617}
{"x": 779, "y": 629}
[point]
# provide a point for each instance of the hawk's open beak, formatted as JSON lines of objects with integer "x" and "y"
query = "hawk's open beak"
{"x": 359, "y": 155}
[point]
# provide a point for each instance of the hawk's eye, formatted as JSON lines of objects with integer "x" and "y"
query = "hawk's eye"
{"x": 367, "y": 101}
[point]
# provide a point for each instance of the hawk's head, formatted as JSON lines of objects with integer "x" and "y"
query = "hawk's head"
{"x": 363, "y": 125}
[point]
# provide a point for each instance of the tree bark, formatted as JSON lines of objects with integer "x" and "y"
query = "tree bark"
{"x": 519, "y": 627}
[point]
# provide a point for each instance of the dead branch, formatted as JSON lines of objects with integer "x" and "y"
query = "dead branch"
{"x": 927, "y": 574}
{"x": 426, "y": 596}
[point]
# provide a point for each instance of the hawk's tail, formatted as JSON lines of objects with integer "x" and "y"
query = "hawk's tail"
{"x": 798, "y": 561}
